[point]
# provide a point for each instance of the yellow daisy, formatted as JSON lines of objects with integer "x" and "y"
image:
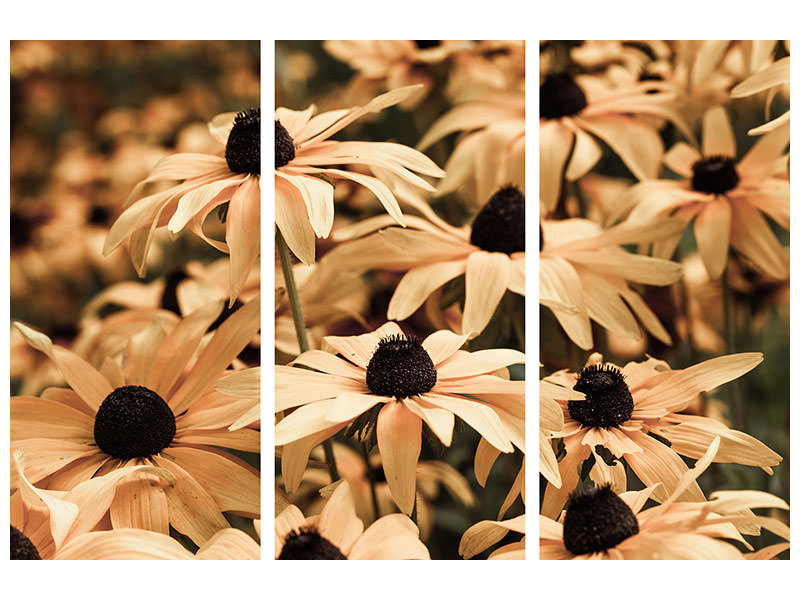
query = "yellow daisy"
{"x": 156, "y": 410}
{"x": 600, "y": 525}
{"x": 624, "y": 405}
{"x": 400, "y": 384}
{"x": 209, "y": 181}
{"x": 723, "y": 197}
{"x": 303, "y": 192}
{"x": 490, "y": 253}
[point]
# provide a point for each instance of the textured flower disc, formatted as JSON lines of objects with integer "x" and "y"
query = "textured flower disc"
{"x": 133, "y": 421}
{"x": 500, "y": 224}
{"x": 243, "y": 150}
{"x": 284, "y": 146}
{"x": 400, "y": 368}
{"x": 608, "y": 399}
{"x": 596, "y": 520}
{"x": 424, "y": 44}
{"x": 714, "y": 175}
{"x": 308, "y": 544}
{"x": 560, "y": 96}
{"x": 21, "y": 547}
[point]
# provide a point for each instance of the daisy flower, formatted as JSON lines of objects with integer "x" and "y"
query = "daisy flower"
{"x": 584, "y": 274}
{"x": 231, "y": 178}
{"x": 153, "y": 410}
{"x": 625, "y": 405}
{"x": 484, "y": 534}
{"x": 338, "y": 534}
{"x": 303, "y": 193}
{"x": 601, "y": 525}
{"x": 724, "y": 198}
{"x": 400, "y": 383}
{"x": 490, "y": 254}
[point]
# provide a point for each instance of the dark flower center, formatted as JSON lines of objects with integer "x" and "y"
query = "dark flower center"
{"x": 284, "y": 146}
{"x": 596, "y": 520}
{"x": 243, "y": 150}
{"x": 22, "y": 229}
{"x": 424, "y": 44}
{"x": 133, "y": 421}
{"x": 714, "y": 175}
{"x": 308, "y": 544}
{"x": 560, "y": 96}
{"x": 608, "y": 399}
{"x": 400, "y": 368}
{"x": 21, "y": 547}
{"x": 99, "y": 215}
{"x": 500, "y": 224}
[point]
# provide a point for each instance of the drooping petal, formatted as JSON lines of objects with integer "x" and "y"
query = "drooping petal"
{"x": 487, "y": 277}
{"x": 712, "y": 230}
{"x": 400, "y": 441}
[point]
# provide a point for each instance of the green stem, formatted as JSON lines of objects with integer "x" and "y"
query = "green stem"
{"x": 300, "y": 329}
{"x": 371, "y": 477}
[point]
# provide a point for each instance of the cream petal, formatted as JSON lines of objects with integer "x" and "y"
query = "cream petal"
{"x": 348, "y": 405}
{"x": 487, "y": 277}
{"x": 718, "y": 138}
{"x": 419, "y": 283}
{"x": 400, "y": 441}
{"x": 338, "y": 522}
{"x": 681, "y": 157}
{"x": 243, "y": 234}
{"x": 712, "y": 230}
{"x": 390, "y": 537}
{"x": 442, "y": 344}
{"x": 230, "y": 544}
{"x": 294, "y": 456}
{"x": 232, "y": 483}
{"x": 559, "y": 283}
{"x": 291, "y": 219}
{"x": 585, "y": 155}
{"x": 752, "y": 236}
{"x": 194, "y": 200}
{"x": 123, "y": 544}
{"x": 318, "y": 198}
{"x": 555, "y": 141}
{"x": 140, "y": 503}
{"x": 481, "y": 362}
{"x": 439, "y": 420}
{"x": 477, "y": 415}
{"x": 329, "y": 363}
{"x": 33, "y": 417}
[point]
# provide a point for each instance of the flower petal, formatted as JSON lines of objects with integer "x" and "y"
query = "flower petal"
{"x": 400, "y": 441}
{"x": 487, "y": 277}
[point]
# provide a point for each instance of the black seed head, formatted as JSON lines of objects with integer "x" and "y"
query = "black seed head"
{"x": 596, "y": 520}
{"x": 400, "y": 368}
{"x": 560, "y": 96}
{"x": 500, "y": 225}
{"x": 21, "y": 547}
{"x": 714, "y": 175}
{"x": 308, "y": 544}
{"x": 284, "y": 146}
{"x": 608, "y": 399}
{"x": 424, "y": 44}
{"x": 133, "y": 421}
{"x": 99, "y": 215}
{"x": 243, "y": 150}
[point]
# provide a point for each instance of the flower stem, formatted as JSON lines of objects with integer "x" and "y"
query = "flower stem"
{"x": 371, "y": 477}
{"x": 300, "y": 329}
{"x": 730, "y": 339}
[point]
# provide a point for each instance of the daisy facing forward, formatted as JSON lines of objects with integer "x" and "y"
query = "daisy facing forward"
{"x": 410, "y": 383}
{"x": 601, "y": 525}
{"x": 303, "y": 153}
{"x": 724, "y": 198}
{"x": 624, "y": 405}
{"x": 338, "y": 534}
{"x": 208, "y": 181}
{"x": 490, "y": 254}
{"x": 158, "y": 409}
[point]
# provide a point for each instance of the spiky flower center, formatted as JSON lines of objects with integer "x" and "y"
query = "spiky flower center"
{"x": 608, "y": 400}
{"x": 308, "y": 544}
{"x": 500, "y": 224}
{"x": 133, "y": 421}
{"x": 243, "y": 150}
{"x": 596, "y": 520}
{"x": 560, "y": 96}
{"x": 284, "y": 146}
{"x": 21, "y": 547}
{"x": 400, "y": 368}
{"x": 714, "y": 175}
